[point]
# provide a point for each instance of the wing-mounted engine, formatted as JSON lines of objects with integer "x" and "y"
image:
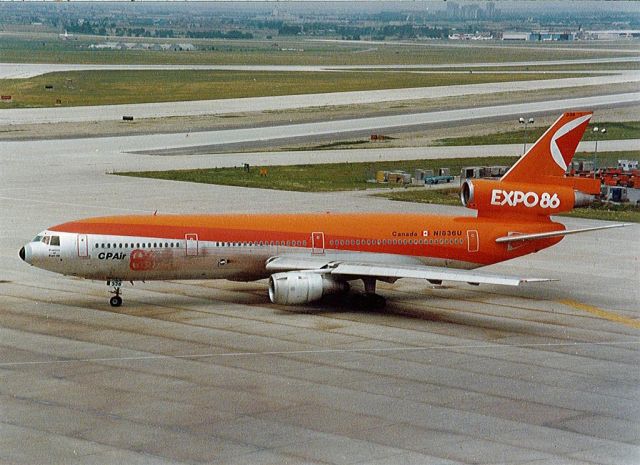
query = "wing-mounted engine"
{"x": 301, "y": 287}
{"x": 497, "y": 197}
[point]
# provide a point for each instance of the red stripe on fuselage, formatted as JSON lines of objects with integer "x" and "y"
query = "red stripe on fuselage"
{"x": 336, "y": 228}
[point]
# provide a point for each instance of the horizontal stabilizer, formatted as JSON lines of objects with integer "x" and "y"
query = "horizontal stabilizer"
{"x": 514, "y": 237}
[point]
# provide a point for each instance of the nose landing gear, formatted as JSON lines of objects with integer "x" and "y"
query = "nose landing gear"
{"x": 116, "y": 300}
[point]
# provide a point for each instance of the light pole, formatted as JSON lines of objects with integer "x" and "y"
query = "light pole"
{"x": 524, "y": 137}
{"x": 597, "y": 131}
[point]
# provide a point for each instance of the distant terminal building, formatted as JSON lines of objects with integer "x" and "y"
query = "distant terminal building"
{"x": 520, "y": 36}
{"x": 613, "y": 34}
{"x": 142, "y": 46}
{"x": 539, "y": 36}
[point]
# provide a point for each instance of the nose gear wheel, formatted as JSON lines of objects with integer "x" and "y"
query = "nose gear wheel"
{"x": 116, "y": 300}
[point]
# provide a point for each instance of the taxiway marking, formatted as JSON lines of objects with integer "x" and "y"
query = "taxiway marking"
{"x": 602, "y": 313}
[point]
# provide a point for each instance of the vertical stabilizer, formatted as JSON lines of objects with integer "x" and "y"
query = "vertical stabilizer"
{"x": 552, "y": 152}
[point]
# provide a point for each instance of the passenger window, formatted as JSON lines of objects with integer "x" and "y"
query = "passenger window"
{"x": 149, "y": 245}
{"x": 166, "y": 244}
{"x": 120, "y": 245}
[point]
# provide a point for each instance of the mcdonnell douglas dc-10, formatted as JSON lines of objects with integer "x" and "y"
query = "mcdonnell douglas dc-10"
{"x": 308, "y": 256}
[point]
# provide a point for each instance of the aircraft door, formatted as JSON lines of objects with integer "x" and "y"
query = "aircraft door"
{"x": 191, "y": 242}
{"x": 83, "y": 245}
{"x": 473, "y": 242}
{"x": 317, "y": 243}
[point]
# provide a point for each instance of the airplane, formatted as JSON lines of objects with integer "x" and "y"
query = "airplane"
{"x": 308, "y": 256}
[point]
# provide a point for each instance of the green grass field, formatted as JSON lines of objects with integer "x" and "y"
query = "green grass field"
{"x": 334, "y": 176}
{"x": 313, "y": 178}
{"x": 354, "y": 176}
{"x": 49, "y": 49}
{"x": 615, "y": 131}
{"x": 115, "y": 87}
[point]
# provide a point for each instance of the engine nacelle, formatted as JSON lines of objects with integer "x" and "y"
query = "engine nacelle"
{"x": 300, "y": 287}
{"x": 528, "y": 199}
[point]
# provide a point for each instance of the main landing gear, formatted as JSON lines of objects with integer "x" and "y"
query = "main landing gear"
{"x": 371, "y": 300}
{"x": 116, "y": 300}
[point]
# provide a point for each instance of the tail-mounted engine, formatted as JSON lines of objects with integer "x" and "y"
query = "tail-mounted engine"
{"x": 300, "y": 287}
{"x": 522, "y": 199}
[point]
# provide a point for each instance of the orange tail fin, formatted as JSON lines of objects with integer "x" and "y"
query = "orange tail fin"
{"x": 552, "y": 153}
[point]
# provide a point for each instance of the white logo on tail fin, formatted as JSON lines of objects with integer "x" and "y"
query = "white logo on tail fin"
{"x": 567, "y": 128}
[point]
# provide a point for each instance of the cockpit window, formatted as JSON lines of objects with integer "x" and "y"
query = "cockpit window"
{"x": 37, "y": 239}
{"x": 55, "y": 240}
{"x": 46, "y": 239}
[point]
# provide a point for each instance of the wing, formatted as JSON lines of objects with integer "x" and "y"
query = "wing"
{"x": 351, "y": 270}
{"x": 514, "y": 237}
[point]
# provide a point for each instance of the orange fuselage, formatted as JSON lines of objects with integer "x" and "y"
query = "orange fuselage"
{"x": 463, "y": 242}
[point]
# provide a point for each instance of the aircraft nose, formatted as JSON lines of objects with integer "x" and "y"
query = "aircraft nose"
{"x": 25, "y": 253}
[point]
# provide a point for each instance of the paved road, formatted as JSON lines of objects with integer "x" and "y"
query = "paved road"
{"x": 210, "y": 107}
{"x": 211, "y": 372}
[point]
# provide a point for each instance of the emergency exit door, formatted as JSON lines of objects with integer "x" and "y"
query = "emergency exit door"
{"x": 317, "y": 243}
{"x": 473, "y": 243}
{"x": 191, "y": 241}
{"x": 83, "y": 245}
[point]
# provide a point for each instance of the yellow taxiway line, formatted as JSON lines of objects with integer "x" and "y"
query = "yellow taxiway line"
{"x": 602, "y": 313}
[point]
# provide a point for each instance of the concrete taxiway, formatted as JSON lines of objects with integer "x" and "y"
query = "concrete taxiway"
{"x": 275, "y": 103}
{"x": 211, "y": 372}
{"x": 212, "y": 141}
{"x": 29, "y": 70}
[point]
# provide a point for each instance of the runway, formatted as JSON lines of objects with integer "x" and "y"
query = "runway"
{"x": 29, "y": 70}
{"x": 104, "y": 149}
{"x": 254, "y": 104}
{"x": 211, "y": 372}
